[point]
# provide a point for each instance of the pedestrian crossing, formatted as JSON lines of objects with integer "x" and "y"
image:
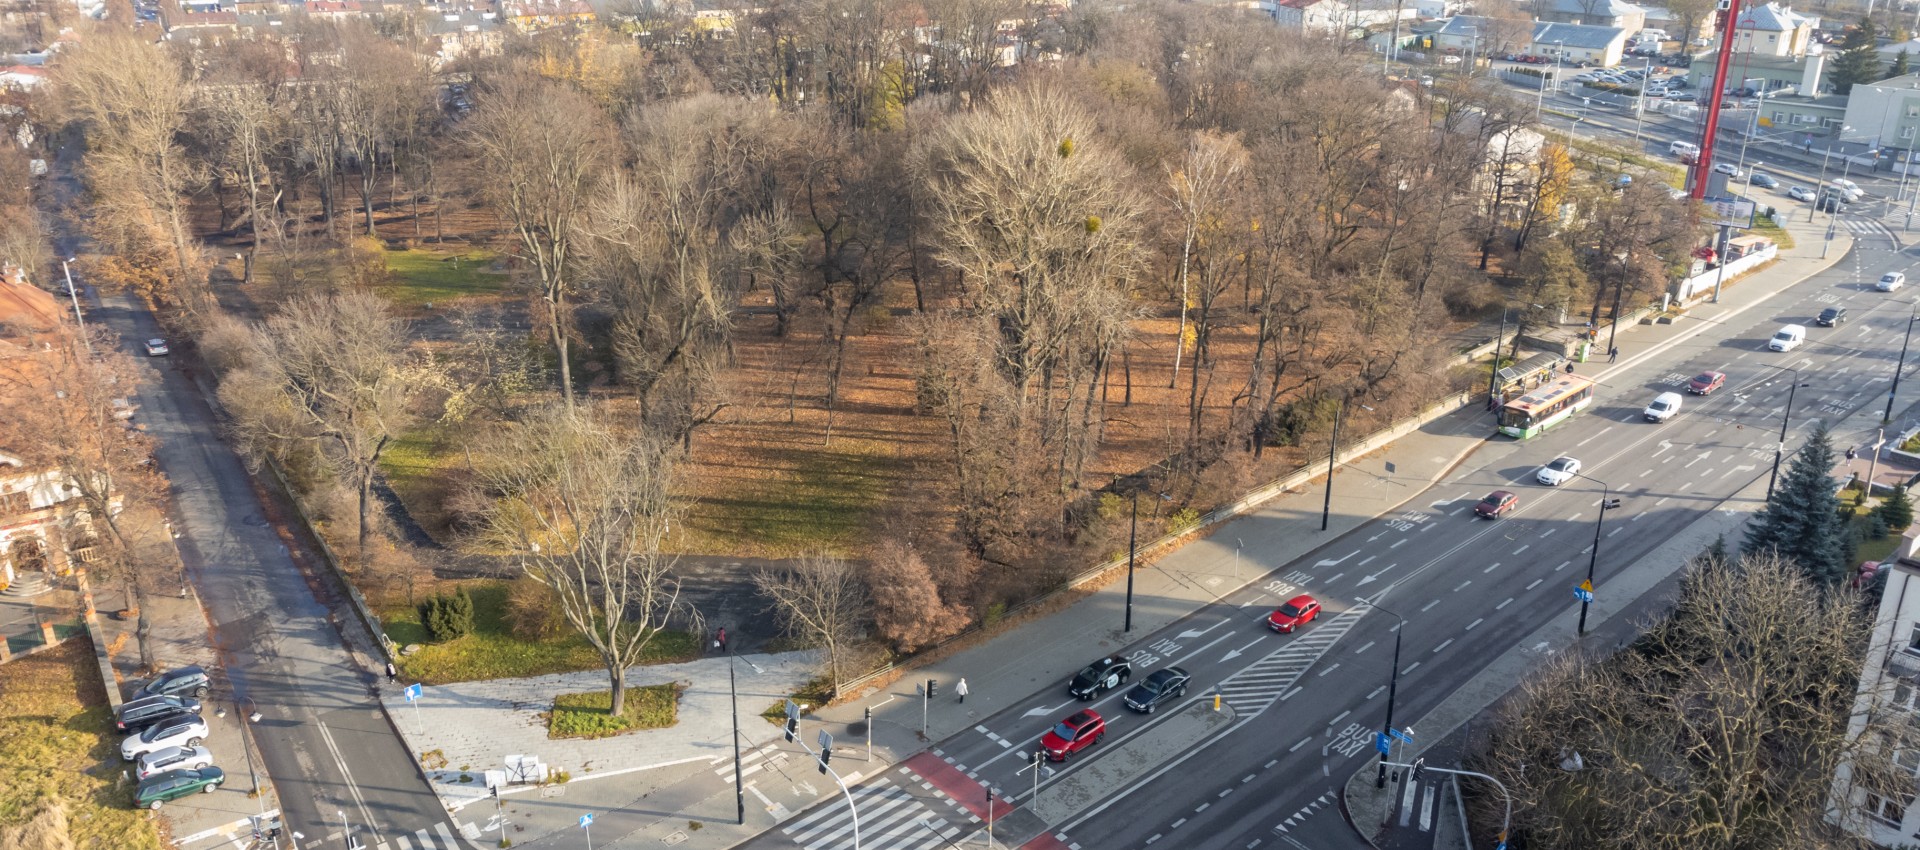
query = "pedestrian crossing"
{"x": 439, "y": 837}
{"x": 890, "y": 817}
{"x": 1261, "y": 684}
{"x": 1868, "y": 229}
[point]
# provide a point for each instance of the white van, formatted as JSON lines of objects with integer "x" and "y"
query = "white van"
{"x": 1653, "y": 35}
{"x": 1684, "y": 150}
{"x": 1789, "y": 338}
{"x": 1664, "y": 406}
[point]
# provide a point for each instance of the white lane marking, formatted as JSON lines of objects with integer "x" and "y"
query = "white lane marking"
{"x": 1443, "y": 645}
{"x": 1475, "y": 623}
{"x": 1503, "y": 604}
{"x": 1536, "y": 583}
{"x": 1429, "y": 605}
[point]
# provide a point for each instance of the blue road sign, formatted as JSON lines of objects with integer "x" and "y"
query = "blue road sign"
{"x": 412, "y": 692}
{"x": 1583, "y": 595}
{"x": 1382, "y": 743}
{"x": 586, "y": 820}
{"x": 1405, "y": 737}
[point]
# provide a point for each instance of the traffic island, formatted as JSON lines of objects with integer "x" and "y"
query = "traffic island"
{"x": 1133, "y": 759}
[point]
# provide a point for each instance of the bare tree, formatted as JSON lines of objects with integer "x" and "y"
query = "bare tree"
{"x": 333, "y": 373}
{"x": 544, "y": 150}
{"x": 907, "y": 605}
{"x": 585, "y": 506}
{"x": 820, "y": 599}
{"x": 1196, "y": 189}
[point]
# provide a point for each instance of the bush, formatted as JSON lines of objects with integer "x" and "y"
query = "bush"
{"x": 1877, "y": 527}
{"x": 1896, "y": 510}
{"x": 589, "y": 715}
{"x": 448, "y": 617}
{"x": 533, "y": 610}
{"x": 1183, "y": 520}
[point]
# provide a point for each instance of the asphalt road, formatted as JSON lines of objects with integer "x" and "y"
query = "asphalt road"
{"x": 1305, "y": 707}
{"x": 322, "y": 736}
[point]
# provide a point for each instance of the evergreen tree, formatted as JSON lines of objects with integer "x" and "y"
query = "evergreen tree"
{"x": 1896, "y": 509}
{"x": 1802, "y": 521}
{"x": 1899, "y": 66}
{"x": 1857, "y": 62}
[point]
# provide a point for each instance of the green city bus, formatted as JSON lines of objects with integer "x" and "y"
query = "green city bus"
{"x": 1546, "y": 406}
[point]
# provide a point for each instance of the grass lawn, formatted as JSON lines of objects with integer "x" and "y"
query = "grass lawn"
{"x": 414, "y": 464}
{"x": 55, "y": 747}
{"x": 421, "y": 276}
{"x": 588, "y": 715}
{"x": 1764, "y": 226}
{"x": 1869, "y": 548}
{"x": 492, "y": 651}
{"x": 820, "y": 501}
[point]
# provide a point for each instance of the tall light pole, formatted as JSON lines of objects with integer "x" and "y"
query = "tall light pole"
{"x": 1607, "y": 503}
{"x": 733, "y": 693}
{"x": 1540, "y": 102}
{"x": 1780, "y": 449}
{"x": 1902, "y": 365}
{"x": 74, "y": 296}
{"x": 1333, "y": 453}
{"x": 1133, "y": 531}
{"x": 1393, "y": 688}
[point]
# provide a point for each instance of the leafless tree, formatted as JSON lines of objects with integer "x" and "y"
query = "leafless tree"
{"x": 585, "y": 505}
{"x": 1196, "y": 189}
{"x": 819, "y": 599}
{"x": 907, "y": 605}
{"x": 544, "y": 150}
{"x": 333, "y": 373}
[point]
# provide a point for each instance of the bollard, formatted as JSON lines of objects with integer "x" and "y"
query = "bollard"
{"x": 1216, "y": 702}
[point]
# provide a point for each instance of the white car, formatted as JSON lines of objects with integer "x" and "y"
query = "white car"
{"x": 1664, "y": 406}
{"x": 1558, "y": 471}
{"x": 1449, "y": 60}
{"x": 1891, "y": 281}
{"x": 1726, "y": 168}
{"x": 185, "y": 731}
{"x": 1800, "y": 193}
{"x": 172, "y": 758}
{"x": 157, "y": 348}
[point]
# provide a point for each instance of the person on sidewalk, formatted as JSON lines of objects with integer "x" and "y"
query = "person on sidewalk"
{"x": 1613, "y": 354}
{"x": 720, "y": 639}
{"x": 392, "y": 674}
{"x": 1852, "y": 453}
{"x": 1569, "y": 367}
{"x": 961, "y": 689}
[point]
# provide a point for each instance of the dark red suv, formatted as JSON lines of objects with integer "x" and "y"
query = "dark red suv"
{"x": 1081, "y": 730}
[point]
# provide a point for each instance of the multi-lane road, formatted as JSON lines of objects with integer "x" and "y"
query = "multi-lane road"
{"x": 1303, "y": 709}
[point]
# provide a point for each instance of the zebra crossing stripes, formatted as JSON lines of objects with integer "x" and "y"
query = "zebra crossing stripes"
{"x": 889, "y": 817}
{"x": 423, "y": 840}
{"x": 1868, "y": 229}
{"x": 1261, "y": 684}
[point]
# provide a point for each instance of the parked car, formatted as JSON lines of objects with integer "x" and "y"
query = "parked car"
{"x": 191, "y": 679}
{"x": 1079, "y": 731}
{"x": 1163, "y": 685}
{"x": 172, "y": 758}
{"x": 1764, "y": 181}
{"x": 137, "y": 715}
{"x": 1099, "y": 677}
{"x": 183, "y": 731}
{"x": 1681, "y": 97}
{"x": 157, "y": 348}
{"x": 1726, "y": 168}
{"x": 1891, "y": 281}
{"x": 1831, "y": 317}
{"x": 1706, "y": 382}
{"x": 1558, "y": 471}
{"x": 1662, "y": 408}
{"x": 1800, "y": 193}
{"x": 1293, "y": 614}
{"x": 1496, "y": 504}
{"x": 174, "y": 784}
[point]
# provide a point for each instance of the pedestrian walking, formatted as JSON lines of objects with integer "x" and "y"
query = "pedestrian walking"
{"x": 1852, "y": 453}
{"x": 1613, "y": 354}
{"x": 1569, "y": 367}
{"x": 961, "y": 689}
{"x": 392, "y": 674}
{"x": 720, "y": 639}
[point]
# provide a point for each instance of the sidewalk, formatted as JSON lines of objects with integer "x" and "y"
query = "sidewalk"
{"x": 1646, "y": 585}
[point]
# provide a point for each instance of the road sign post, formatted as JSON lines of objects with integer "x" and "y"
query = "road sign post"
{"x": 586, "y": 823}
{"x": 412, "y": 694}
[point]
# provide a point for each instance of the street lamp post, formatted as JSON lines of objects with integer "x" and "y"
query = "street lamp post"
{"x": 1781, "y": 447}
{"x": 74, "y": 296}
{"x": 1607, "y": 503}
{"x": 1902, "y": 365}
{"x": 1133, "y": 530}
{"x": 1540, "y": 102}
{"x": 733, "y": 694}
{"x": 1393, "y": 688}
{"x": 1333, "y": 452}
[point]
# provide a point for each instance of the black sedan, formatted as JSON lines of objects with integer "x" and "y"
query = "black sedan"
{"x": 1163, "y": 685}
{"x": 1831, "y": 317}
{"x": 1763, "y": 181}
{"x": 1099, "y": 677}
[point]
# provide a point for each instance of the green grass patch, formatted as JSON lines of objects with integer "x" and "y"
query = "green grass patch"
{"x": 492, "y": 651}
{"x": 56, "y": 747}
{"x": 590, "y": 715}
{"x": 820, "y": 501}
{"x": 811, "y": 695}
{"x": 1868, "y": 549}
{"x": 415, "y": 465}
{"x": 422, "y": 277}
{"x": 1772, "y": 230}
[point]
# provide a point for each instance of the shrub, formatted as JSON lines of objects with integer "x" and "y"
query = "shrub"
{"x": 533, "y": 611}
{"x": 448, "y": 617}
{"x": 1183, "y": 520}
{"x": 1896, "y": 510}
{"x": 1877, "y": 527}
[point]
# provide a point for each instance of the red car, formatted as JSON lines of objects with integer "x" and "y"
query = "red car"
{"x": 1081, "y": 730}
{"x": 1496, "y": 503}
{"x": 1297, "y": 612}
{"x": 1706, "y": 382}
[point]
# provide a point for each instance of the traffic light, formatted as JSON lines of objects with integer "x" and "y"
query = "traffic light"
{"x": 1038, "y": 757}
{"x": 933, "y": 689}
{"x": 1419, "y": 767}
{"x": 793, "y": 728}
{"x": 826, "y": 755}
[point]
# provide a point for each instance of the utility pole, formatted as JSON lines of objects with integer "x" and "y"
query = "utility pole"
{"x": 1585, "y": 591}
{"x": 1133, "y": 545}
{"x": 1393, "y": 689}
{"x": 1901, "y": 366}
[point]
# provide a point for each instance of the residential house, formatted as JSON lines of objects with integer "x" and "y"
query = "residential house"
{"x": 22, "y": 77}
{"x": 1571, "y": 43}
{"x": 1334, "y": 17}
{"x": 1885, "y": 721}
{"x": 42, "y": 521}
{"x": 1773, "y": 30}
{"x": 464, "y": 34}
{"x": 536, "y": 15}
{"x": 1593, "y": 13}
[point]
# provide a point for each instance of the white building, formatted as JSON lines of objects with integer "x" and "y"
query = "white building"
{"x": 1773, "y": 30}
{"x": 1887, "y": 710}
{"x": 1888, "y": 110}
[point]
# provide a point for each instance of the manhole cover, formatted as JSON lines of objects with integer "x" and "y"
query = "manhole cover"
{"x": 552, "y": 790}
{"x": 675, "y": 838}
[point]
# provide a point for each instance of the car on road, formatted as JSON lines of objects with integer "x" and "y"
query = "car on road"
{"x": 172, "y": 758}
{"x": 1079, "y": 731}
{"x": 1726, "y": 168}
{"x": 1891, "y": 281}
{"x": 1800, "y": 193}
{"x": 183, "y": 731}
{"x": 1163, "y": 685}
{"x": 1496, "y": 504}
{"x": 157, "y": 348}
{"x": 137, "y": 715}
{"x": 1831, "y": 317}
{"x": 1100, "y": 677}
{"x": 1293, "y": 614}
{"x": 1682, "y": 97}
{"x": 1662, "y": 408}
{"x": 174, "y": 784}
{"x": 191, "y": 679}
{"x": 1558, "y": 471}
{"x": 1706, "y": 382}
{"x": 1764, "y": 181}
